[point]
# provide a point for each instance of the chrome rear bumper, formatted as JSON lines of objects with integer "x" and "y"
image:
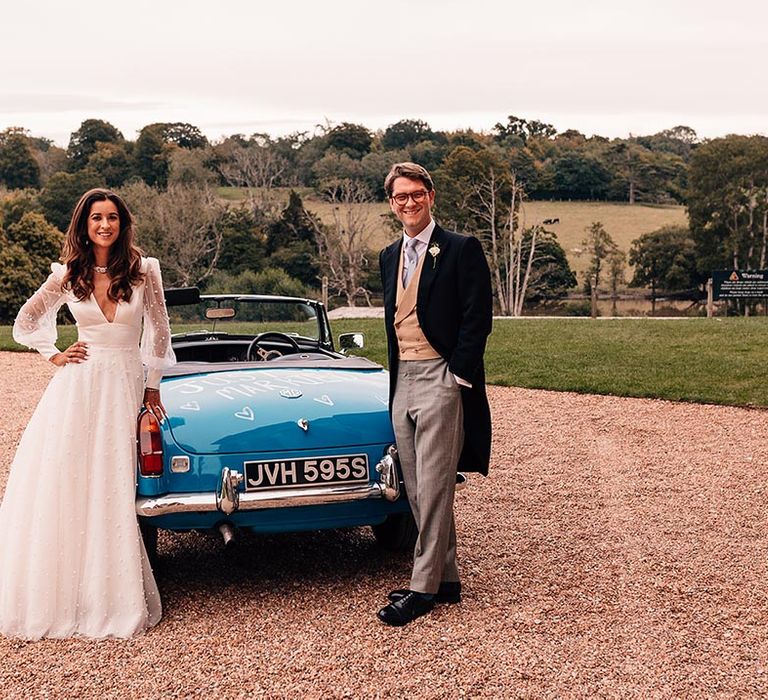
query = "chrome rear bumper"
{"x": 228, "y": 499}
{"x": 277, "y": 498}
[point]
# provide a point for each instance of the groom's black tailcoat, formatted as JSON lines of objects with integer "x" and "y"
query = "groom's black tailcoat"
{"x": 454, "y": 307}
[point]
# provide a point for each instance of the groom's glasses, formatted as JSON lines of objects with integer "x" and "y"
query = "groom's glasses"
{"x": 418, "y": 197}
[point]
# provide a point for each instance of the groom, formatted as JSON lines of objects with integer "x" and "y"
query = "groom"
{"x": 437, "y": 311}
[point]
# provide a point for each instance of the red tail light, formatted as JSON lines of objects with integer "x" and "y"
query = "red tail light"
{"x": 150, "y": 446}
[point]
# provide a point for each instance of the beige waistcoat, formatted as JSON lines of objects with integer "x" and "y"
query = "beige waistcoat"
{"x": 410, "y": 340}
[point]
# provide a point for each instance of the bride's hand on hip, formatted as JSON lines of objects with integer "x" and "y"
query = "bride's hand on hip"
{"x": 153, "y": 404}
{"x": 77, "y": 353}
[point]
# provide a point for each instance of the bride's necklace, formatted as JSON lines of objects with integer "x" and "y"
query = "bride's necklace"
{"x": 101, "y": 269}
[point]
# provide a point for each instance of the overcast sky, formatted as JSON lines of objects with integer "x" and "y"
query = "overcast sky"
{"x": 241, "y": 66}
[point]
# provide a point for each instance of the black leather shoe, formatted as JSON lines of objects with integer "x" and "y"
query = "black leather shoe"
{"x": 449, "y": 592}
{"x": 408, "y": 608}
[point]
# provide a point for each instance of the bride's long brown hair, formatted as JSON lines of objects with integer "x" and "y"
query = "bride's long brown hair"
{"x": 124, "y": 264}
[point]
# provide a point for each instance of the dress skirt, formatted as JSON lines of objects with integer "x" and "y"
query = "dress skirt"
{"x": 72, "y": 561}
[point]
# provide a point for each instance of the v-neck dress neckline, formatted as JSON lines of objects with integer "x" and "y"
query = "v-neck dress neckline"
{"x": 101, "y": 311}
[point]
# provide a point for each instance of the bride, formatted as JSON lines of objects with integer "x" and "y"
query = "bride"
{"x": 72, "y": 561}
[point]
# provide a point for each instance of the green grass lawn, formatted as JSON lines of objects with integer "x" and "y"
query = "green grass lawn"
{"x": 705, "y": 360}
{"x": 721, "y": 360}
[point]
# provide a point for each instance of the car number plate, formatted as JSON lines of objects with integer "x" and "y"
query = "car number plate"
{"x": 313, "y": 471}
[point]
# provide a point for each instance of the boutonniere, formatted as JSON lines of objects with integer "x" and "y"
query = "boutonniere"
{"x": 434, "y": 251}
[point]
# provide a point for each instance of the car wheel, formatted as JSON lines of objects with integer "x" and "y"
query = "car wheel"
{"x": 397, "y": 533}
{"x": 149, "y": 535}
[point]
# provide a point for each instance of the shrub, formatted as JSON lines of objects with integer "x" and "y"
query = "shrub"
{"x": 578, "y": 308}
{"x": 268, "y": 281}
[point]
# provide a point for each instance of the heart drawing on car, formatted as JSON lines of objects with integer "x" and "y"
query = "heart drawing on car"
{"x": 245, "y": 414}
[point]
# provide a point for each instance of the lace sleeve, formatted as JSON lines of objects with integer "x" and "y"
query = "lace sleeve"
{"x": 35, "y": 324}
{"x": 156, "y": 351}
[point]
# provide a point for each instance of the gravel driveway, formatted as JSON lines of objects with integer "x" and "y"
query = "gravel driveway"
{"x": 617, "y": 550}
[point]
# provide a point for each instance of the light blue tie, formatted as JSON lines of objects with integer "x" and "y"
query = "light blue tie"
{"x": 411, "y": 258}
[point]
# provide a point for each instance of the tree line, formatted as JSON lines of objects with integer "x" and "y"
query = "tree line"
{"x": 551, "y": 165}
{"x": 170, "y": 173}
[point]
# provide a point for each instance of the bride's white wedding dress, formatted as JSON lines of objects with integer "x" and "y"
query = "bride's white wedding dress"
{"x": 72, "y": 561}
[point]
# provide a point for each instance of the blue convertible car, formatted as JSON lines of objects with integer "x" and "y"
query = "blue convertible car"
{"x": 269, "y": 427}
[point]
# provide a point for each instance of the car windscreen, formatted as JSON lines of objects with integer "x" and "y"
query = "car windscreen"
{"x": 246, "y": 317}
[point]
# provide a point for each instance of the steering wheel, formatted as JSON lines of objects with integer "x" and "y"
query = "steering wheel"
{"x": 255, "y": 346}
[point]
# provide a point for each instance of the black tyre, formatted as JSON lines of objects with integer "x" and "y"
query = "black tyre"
{"x": 149, "y": 535}
{"x": 397, "y": 533}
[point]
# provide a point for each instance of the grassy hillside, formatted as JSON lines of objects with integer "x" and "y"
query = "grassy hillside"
{"x": 622, "y": 221}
